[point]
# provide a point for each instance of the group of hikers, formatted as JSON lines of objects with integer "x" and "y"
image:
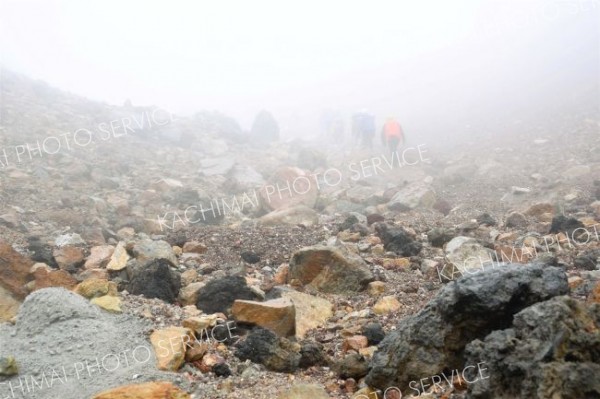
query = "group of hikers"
{"x": 363, "y": 129}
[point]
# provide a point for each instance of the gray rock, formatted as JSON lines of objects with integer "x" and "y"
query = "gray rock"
{"x": 352, "y": 366}
{"x": 147, "y": 249}
{"x": 67, "y": 345}
{"x": 439, "y": 236}
{"x": 412, "y": 197}
{"x": 552, "y": 350}
{"x": 69, "y": 239}
{"x": 464, "y": 310}
{"x": 465, "y": 253}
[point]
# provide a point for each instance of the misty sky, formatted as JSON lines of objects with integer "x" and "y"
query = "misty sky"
{"x": 417, "y": 60}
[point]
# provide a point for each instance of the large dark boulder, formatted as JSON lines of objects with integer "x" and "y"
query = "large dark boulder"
{"x": 264, "y": 347}
{"x": 219, "y": 294}
{"x": 397, "y": 240}
{"x": 552, "y": 351}
{"x": 155, "y": 279}
{"x": 469, "y": 308}
{"x": 563, "y": 224}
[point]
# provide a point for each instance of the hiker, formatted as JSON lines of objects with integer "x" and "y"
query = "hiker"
{"x": 391, "y": 134}
{"x": 363, "y": 128}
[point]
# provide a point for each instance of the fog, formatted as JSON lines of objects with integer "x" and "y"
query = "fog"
{"x": 440, "y": 67}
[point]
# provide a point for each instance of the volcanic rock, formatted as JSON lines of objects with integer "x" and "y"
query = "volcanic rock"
{"x": 218, "y": 295}
{"x": 435, "y": 338}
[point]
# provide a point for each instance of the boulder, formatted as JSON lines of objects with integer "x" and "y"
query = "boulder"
{"x": 188, "y": 295}
{"x": 99, "y": 257}
{"x": 539, "y": 209}
{"x": 466, "y": 254}
{"x": 397, "y": 240}
{"x": 194, "y": 247}
{"x": 464, "y": 310}
{"x": 46, "y": 277}
{"x": 551, "y": 350}
{"x": 69, "y": 258}
{"x": 14, "y": 270}
{"x": 147, "y": 249}
{"x": 119, "y": 258}
{"x": 264, "y": 347}
{"x": 155, "y": 279}
{"x": 386, "y": 304}
{"x": 277, "y": 315}
{"x": 411, "y": 197}
{"x": 329, "y": 270}
{"x": 439, "y": 236}
{"x": 311, "y": 311}
{"x": 109, "y": 303}
{"x": 170, "y": 346}
{"x": 94, "y": 287}
{"x": 565, "y": 225}
{"x": 218, "y": 295}
{"x": 9, "y": 305}
{"x": 353, "y": 365}
{"x": 517, "y": 220}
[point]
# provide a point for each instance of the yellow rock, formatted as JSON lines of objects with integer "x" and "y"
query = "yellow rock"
{"x": 396, "y": 264}
{"x": 109, "y": 303}
{"x": 277, "y": 315}
{"x": 387, "y": 304}
{"x": 9, "y": 305}
{"x": 148, "y": 390}
{"x": 95, "y": 287}
{"x": 119, "y": 258}
{"x": 311, "y": 311}
{"x": 203, "y": 322}
{"x": 170, "y": 346}
{"x": 376, "y": 287}
{"x": 588, "y": 222}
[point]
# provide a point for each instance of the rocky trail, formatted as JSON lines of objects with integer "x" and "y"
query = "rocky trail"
{"x": 148, "y": 255}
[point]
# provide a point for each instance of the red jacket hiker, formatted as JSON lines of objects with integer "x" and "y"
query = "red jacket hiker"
{"x": 392, "y": 134}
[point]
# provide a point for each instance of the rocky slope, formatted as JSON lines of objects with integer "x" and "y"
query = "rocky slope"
{"x": 238, "y": 270}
